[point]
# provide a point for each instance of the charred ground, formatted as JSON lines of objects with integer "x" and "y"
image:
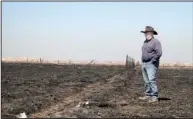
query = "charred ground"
{"x": 55, "y": 91}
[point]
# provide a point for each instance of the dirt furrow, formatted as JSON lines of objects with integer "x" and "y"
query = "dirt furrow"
{"x": 71, "y": 101}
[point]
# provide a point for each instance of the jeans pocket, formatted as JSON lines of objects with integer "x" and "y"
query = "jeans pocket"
{"x": 153, "y": 62}
{"x": 150, "y": 62}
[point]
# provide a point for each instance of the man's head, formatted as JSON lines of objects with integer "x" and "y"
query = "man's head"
{"x": 149, "y": 35}
{"x": 149, "y": 32}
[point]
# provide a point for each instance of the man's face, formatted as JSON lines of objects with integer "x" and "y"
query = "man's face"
{"x": 148, "y": 35}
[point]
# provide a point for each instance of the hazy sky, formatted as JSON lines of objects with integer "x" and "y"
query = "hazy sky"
{"x": 95, "y": 30}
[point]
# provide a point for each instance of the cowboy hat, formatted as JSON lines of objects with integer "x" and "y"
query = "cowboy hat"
{"x": 149, "y": 29}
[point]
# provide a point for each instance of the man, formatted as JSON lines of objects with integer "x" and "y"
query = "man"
{"x": 151, "y": 53}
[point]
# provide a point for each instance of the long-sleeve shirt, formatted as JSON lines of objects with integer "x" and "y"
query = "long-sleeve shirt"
{"x": 151, "y": 50}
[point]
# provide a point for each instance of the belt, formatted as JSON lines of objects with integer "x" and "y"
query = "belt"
{"x": 146, "y": 60}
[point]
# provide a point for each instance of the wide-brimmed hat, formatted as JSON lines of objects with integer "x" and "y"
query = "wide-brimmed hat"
{"x": 149, "y": 29}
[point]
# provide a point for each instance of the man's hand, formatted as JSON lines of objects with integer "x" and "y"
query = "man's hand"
{"x": 158, "y": 52}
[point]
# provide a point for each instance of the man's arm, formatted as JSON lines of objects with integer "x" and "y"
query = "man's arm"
{"x": 158, "y": 51}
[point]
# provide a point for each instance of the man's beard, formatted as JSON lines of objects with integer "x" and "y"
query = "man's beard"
{"x": 149, "y": 37}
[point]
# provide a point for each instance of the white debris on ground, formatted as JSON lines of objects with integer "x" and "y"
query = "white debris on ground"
{"x": 79, "y": 104}
{"x": 87, "y": 103}
{"x": 22, "y": 115}
{"x": 83, "y": 104}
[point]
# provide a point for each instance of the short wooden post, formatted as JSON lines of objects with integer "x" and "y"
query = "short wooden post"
{"x": 127, "y": 62}
{"x": 40, "y": 60}
{"x": 130, "y": 63}
{"x": 133, "y": 63}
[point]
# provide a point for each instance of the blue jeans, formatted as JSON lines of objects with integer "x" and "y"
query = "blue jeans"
{"x": 149, "y": 71}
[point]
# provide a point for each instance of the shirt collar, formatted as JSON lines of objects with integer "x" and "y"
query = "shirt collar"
{"x": 148, "y": 40}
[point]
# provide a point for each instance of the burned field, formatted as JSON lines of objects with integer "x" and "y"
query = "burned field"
{"x": 31, "y": 87}
{"x": 92, "y": 91}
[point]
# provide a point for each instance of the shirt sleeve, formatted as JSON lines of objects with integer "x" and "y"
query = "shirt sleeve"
{"x": 158, "y": 51}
